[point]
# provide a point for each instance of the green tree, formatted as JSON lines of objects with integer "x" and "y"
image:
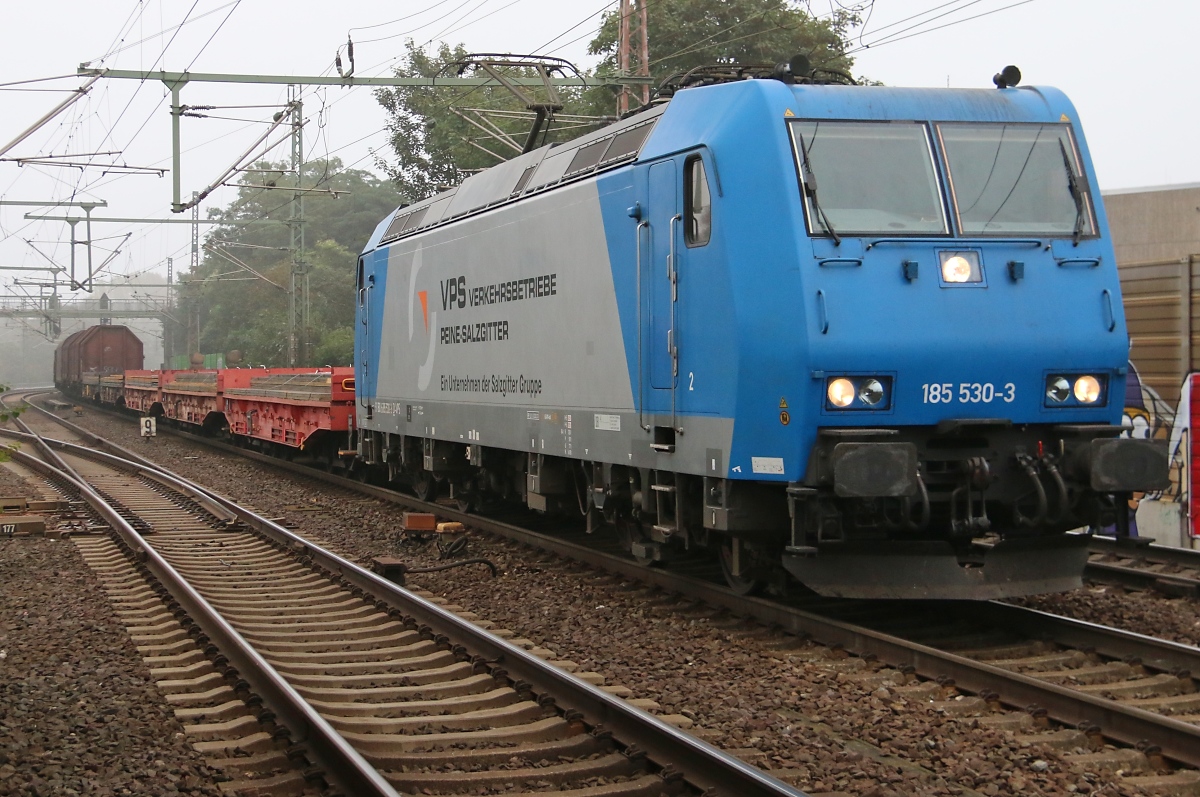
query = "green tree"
{"x": 235, "y": 309}
{"x": 435, "y": 148}
{"x": 689, "y": 33}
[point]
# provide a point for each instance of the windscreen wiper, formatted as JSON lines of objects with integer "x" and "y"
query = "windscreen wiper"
{"x": 810, "y": 188}
{"x": 1076, "y": 194}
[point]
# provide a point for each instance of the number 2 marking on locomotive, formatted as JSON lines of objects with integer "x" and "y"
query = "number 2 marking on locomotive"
{"x": 968, "y": 393}
{"x": 691, "y": 380}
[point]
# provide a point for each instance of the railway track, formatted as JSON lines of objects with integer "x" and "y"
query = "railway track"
{"x": 1140, "y": 564}
{"x": 295, "y": 668}
{"x": 1096, "y": 684}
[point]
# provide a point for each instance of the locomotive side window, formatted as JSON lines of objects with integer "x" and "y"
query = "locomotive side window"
{"x": 524, "y": 180}
{"x": 397, "y": 226}
{"x": 414, "y": 219}
{"x": 874, "y": 178}
{"x": 587, "y": 157}
{"x": 1019, "y": 179}
{"x": 628, "y": 142}
{"x": 697, "y": 203}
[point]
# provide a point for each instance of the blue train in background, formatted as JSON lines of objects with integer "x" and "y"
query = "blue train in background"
{"x": 868, "y": 337}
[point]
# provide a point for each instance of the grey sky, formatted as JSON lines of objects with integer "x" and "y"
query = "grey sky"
{"x": 1128, "y": 68}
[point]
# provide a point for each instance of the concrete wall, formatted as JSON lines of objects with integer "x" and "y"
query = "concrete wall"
{"x": 1151, "y": 224}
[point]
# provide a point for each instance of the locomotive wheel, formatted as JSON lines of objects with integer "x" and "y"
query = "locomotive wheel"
{"x": 424, "y": 487}
{"x": 753, "y": 577}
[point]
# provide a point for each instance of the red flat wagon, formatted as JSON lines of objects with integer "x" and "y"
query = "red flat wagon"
{"x": 292, "y": 407}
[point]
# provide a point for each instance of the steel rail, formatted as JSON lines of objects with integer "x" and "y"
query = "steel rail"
{"x": 1157, "y": 654}
{"x": 1178, "y": 740}
{"x": 699, "y": 763}
{"x": 34, "y": 438}
{"x": 1138, "y": 551}
{"x": 1147, "y": 551}
{"x": 1177, "y": 584}
{"x": 342, "y": 765}
{"x": 1129, "y": 725}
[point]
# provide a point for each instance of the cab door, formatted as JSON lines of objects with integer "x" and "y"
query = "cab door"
{"x": 366, "y": 336}
{"x": 659, "y": 280}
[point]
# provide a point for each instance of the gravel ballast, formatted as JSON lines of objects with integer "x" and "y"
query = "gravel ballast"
{"x": 79, "y": 714}
{"x": 794, "y": 708}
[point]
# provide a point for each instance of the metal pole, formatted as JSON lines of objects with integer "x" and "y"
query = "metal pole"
{"x": 167, "y": 332}
{"x": 62, "y": 106}
{"x": 180, "y": 78}
{"x": 88, "y": 213}
{"x": 176, "y": 112}
{"x": 195, "y": 265}
{"x": 623, "y": 53}
{"x": 299, "y": 295}
{"x": 73, "y": 280}
{"x": 644, "y": 51}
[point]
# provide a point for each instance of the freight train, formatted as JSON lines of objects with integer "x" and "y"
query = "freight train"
{"x": 869, "y": 339}
{"x": 282, "y": 411}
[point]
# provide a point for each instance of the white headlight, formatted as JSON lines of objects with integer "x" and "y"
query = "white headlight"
{"x": 1058, "y": 389}
{"x": 871, "y": 392}
{"x": 841, "y": 392}
{"x": 956, "y": 269}
{"x": 1087, "y": 389}
{"x": 960, "y": 267}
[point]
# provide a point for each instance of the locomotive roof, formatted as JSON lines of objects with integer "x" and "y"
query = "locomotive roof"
{"x": 525, "y": 174}
{"x": 696, "y": 110}
{"x": 1020, "y": 104}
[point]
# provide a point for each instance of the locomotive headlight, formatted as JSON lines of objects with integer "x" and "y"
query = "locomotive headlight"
{"x": 1076, "y": 390}
{"x": 871, "y": 392}
{"x": 841, "y": 392}
{"x": 1058, "y": 389}
{"x": 960, "y": 267}
{"x": 1087, "y": 389}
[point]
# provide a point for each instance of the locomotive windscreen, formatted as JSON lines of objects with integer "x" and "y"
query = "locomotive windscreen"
{"x": 1013, "y": 178}
{"x": 874, "y": 178}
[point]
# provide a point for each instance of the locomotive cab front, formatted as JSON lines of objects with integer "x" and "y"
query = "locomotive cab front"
{"x": 969, "y": 347}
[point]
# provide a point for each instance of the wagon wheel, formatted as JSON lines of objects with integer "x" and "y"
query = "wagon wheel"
{"x": 755, "y": 573}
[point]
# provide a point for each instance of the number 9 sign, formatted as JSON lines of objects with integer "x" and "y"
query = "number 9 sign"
{"x": 149, "y": 427}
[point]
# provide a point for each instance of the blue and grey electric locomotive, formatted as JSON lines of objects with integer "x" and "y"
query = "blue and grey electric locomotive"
{"x": 871, "y": 337}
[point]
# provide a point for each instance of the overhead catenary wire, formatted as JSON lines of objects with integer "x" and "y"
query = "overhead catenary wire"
{"x": 232, "y": 7}
{"x": 398, "y": 19}
{"x": 595, "y": 13}
{"x": 897, "y": 37}
{"x": 463, "y": 95}
{"x": 161, "y": 33}
{"x": 474, "y": 15}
